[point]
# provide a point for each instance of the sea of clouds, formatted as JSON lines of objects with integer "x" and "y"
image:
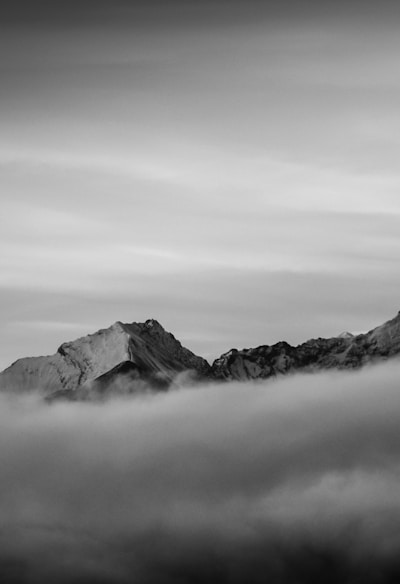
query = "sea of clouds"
{"x": 295, "y": 480}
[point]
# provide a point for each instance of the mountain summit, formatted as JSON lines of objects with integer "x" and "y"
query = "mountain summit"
{"x": 142, "y": 352}
{"x": 139, "y": 356}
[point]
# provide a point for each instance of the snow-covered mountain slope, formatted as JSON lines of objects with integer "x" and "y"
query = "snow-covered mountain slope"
{"x": 342, "y": 352}
{"x": 153, "y": 353}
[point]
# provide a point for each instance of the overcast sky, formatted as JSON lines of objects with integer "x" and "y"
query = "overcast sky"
{"x": 228, "y": 168}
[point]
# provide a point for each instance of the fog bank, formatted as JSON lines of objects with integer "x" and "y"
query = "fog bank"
{"x": 292, "y": 480}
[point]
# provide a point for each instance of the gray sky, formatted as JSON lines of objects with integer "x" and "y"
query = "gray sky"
{"x": 229, "y": 168}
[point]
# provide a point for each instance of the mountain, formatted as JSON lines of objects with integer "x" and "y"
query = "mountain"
{"x": 133, "y": 356}
{"x": 346, "y": 351}
{"x": 139, "y": 357}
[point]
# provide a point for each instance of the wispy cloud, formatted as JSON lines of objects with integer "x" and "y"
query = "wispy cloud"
{"x": 39, "y": 325}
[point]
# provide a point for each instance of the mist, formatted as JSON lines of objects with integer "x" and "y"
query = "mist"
{"x": 291, "y": 480}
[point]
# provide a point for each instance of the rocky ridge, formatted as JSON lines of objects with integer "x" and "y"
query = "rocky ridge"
{"x": 346, "y": 351}
{"x": 139, "y": 357}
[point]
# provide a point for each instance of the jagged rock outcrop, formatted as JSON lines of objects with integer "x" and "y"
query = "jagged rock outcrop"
{"x": 137, "y": 353}
{"x": 342, "y": 352}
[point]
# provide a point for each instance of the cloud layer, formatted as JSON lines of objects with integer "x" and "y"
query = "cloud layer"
{"x": 294, "y": 480}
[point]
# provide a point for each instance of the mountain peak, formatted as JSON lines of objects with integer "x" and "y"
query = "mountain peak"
{"x": 345, "y": 335}
{"x": 152, "y": 323}
{"x": 151, "y": 349}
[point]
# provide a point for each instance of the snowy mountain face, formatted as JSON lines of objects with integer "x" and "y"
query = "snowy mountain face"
{"x": 125, "y": 356}
{"x": 137, "y": 357}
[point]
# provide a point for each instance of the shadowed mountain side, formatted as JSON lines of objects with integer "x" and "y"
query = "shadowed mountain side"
{"x": 345, "y": 351}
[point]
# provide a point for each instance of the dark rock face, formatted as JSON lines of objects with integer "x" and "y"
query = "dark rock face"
{"x": 161, "y": 347}
{"x": 343, "y": 352}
